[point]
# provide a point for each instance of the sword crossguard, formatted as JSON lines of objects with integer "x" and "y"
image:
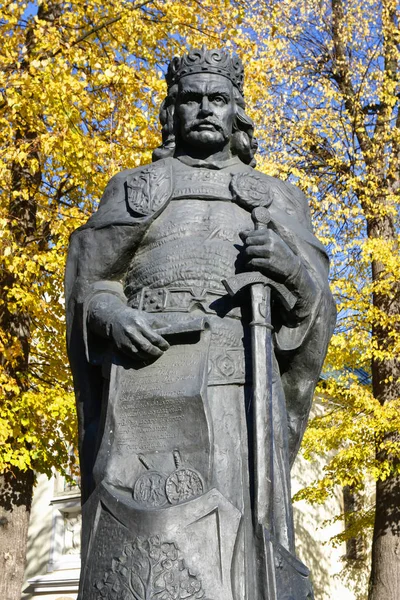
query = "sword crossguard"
{"x": 237, "y": 283}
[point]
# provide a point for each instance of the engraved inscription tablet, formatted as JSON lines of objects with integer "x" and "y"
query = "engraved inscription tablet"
{"x": 153, "y": 410}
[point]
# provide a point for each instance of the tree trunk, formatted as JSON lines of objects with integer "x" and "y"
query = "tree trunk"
{"x": 16, "y": 486}
{"x": 385, "y": 570}
{"x": 355, "y": 545}
{"x": 15, "y": 503}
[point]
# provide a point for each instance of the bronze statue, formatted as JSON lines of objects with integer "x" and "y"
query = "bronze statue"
{"x": 199, "y": 315}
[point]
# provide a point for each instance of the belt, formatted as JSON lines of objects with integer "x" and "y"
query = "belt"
{"x": 182, "y": 299}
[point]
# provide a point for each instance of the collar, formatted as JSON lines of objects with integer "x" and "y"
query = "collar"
{"x": 209, "y": 164}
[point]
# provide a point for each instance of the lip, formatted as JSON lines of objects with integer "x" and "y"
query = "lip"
{"x": 205, "y": 127}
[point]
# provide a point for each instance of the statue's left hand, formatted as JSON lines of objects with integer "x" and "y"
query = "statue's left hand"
{"x": 266, "y": 252}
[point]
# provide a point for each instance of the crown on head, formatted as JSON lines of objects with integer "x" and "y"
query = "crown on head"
{"x": 206, "y": 61}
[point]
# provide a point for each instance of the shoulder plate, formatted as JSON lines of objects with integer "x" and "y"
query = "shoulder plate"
{"x": 251, "y": 189}
{"x": 148, "y": 189}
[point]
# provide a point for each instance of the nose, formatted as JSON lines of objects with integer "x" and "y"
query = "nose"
{"x": 205, "y": 109}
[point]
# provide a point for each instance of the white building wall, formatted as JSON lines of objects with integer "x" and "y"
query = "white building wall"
{"x": 53, "y": 552}
{"x": 313, "y": 535}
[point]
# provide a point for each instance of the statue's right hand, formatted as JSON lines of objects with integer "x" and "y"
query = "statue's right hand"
{"x": 132, "y": 334}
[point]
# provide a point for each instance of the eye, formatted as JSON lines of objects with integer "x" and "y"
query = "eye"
{"x": 219, "y": 99}
{"x": 190, "y": 98}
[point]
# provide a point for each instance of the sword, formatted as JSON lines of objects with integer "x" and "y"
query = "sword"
{"x": 261, "y": 345}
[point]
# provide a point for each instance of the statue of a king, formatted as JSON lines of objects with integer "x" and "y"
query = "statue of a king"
{"x": 192, "y": 401}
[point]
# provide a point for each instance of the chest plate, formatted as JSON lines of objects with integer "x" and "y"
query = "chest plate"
{"x": 193, "y": 243}
{"x": 202, "y": 183}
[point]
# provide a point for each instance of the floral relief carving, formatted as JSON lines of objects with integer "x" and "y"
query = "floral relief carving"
{"x": 149, "y": 569}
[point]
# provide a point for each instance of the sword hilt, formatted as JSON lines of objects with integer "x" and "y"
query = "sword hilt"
{"x": 261, "y": 217}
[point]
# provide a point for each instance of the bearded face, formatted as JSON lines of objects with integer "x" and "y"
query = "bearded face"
{"x": 205, "y": 111}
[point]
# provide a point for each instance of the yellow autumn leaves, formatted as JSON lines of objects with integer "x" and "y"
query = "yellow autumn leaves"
{"x": 81, "y": 84}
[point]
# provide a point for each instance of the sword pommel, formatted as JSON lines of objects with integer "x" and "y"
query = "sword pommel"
{"x": 261, "y": 217}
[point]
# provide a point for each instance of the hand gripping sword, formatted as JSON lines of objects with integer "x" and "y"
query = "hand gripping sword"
{"x": 261, "y": 345}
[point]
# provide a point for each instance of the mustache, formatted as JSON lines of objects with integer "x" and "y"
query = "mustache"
{"x": 209, "y": 121}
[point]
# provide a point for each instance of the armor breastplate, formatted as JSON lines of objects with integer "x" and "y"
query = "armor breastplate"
{"x": 194, "y": 243}
{"x": 202, "y": 183}
{"x": 188, "y": 249}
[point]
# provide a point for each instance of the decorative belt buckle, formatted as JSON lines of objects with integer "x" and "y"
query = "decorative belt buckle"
{"x": 153, "y": 300}
{"x": 178, "y": 299}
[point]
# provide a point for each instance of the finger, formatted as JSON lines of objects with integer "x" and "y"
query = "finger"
{"x": 259, "y": 263}
{"x": 259, "y": 237}
{"x": 156, "y": 323}
{"x": 272, "y": 226}
{"x": 138, "y": 354}
{"x": 265, "y": 266}
{"x": 143, "y": 343}
{"x": 128, "y": 348}
{"x": 152, "y": 336}
{"x": 263, "y": 251}
{"x": 243, "y": 234}
{"x": 142, "y": 325}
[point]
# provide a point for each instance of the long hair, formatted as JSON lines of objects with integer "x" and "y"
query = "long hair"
{"x": 243, "y": 143}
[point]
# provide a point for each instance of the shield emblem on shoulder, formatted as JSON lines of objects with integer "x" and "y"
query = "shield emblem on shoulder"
{"x": 149, "y": 188}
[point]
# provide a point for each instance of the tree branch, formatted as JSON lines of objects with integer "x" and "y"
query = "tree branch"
{"x": 101, "y": 26}
{"x": 390, "y": 71}
{"x": 341, "y": 74}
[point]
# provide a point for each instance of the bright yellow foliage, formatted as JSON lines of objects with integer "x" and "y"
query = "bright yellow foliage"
{"x": 81, "y": 83}
{"x": 81, "y": 87}
{"x": 331, "y": 119}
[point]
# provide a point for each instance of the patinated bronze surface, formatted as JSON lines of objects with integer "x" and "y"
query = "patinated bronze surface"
{"x": 199, "y": 315}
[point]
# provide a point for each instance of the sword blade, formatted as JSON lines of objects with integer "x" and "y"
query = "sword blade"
{"x": 262, "y": 403}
